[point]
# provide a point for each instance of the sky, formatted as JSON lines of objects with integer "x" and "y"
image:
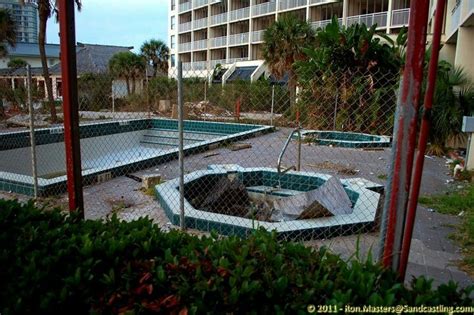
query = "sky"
{"x": 121, "y": 23}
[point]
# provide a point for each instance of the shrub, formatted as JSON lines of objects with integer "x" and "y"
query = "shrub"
{"x": 52, "y": 263}
{"x": 94, "y": 91}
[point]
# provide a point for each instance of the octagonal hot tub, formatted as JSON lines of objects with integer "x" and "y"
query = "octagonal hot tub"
{"x": 365, "y": 197}
{"x": 345, "y": 139}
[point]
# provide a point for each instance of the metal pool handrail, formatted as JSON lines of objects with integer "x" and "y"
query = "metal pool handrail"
{"x": 298, "y": 165}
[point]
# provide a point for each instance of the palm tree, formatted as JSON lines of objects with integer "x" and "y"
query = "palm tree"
{"x": 283, "y": 45}
{"x": 128, "y": 66}
{"x": 46, "y": 10}
{"x": 17, "y": 63}
{"x": 7, "y": 31}
{"x": 453, "y": 99}
{"x": 157, "y": 54}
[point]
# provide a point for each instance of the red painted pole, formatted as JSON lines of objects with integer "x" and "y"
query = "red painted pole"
{"x": 70, "y": 104}
{"x": 423, "y": 140}
{"x": 406, "y": 131}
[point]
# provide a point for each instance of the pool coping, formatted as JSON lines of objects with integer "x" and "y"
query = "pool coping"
{"x": 168, "y": 194}
{"x": 385, "y": 141}
{"x": 23, "y": 184}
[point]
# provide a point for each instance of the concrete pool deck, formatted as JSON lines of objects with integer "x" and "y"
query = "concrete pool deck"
{"x": 433, "y": 254}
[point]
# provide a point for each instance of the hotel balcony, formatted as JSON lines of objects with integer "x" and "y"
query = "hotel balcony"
{"x": 379, "y": 18}
{"x": 323, "y": 23}
{"x": 218, "y": 41}
{"x": 185, "y": 6}
{"x": 263, "y": 8}
{"x": 200, "y": 44}
{"x": 239, "y": 14}
{"x": 257, "y": 36}
{"x": 201, "y": 23}
{"x": 400, "y": 17}
{"x": 200, "y": 65}
{"x": 185, "y": 27}
{"x": 219, "y": 18}
{"x": 289, "y": 4}
{"x": 216, "y": 62}
{"x": 239, "y": 39}
{"x": 182, "y": 47}
{"x": 200, "y": 3}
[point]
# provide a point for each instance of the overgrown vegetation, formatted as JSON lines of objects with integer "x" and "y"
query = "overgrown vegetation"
{"x": 94, "y": 91}
{"x": 350, "y": 78}
{"x": 53, "y": 263}
{"x": 455, "y": 203}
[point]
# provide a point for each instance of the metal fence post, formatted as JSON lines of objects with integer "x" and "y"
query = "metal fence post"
{"x": 273, "y": 104}
{"x": 181, "y": 145}
{"x": 32, "y": 132}
{"x": 404, "y": 142}
{"x": 423, "y": 139}
{"x": 70, "y": 105}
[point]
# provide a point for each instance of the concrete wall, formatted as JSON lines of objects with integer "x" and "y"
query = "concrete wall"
{"x": 464, "y": 50}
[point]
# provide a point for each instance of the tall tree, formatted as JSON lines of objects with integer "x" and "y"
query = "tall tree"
{"x": 129, "y": 66}
{"x": 156, "y": 53}
{"x": 16, "y": 63}
{"x": 7, "y": 31}
{"x": 283, "y": 45}
{"x": 46, "y": 10}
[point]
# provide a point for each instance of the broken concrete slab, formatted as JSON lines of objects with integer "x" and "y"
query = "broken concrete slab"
{"x": 150, "y": 180}
{"x": 328, "y": 200}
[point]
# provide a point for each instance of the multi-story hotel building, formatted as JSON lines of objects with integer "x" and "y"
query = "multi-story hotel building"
{"x": 204, "y": 33}
{"x": 26, "y": 19}
{"x": 458, "y": 37}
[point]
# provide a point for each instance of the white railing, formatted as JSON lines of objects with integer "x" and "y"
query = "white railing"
{"x": 200, "y": 23}
{"x": 319, "y": 1}
{"x": 455, "y": 18}
{"x": 219, "y": 18}
{"x": 264, "y": 8}
{"x": 185, "y": 6}
{"x": 323, "y": 23}
{"x": 200, "y": 44}
{"x": 184, "y": 46}
{"x": 257, "y": 36}
{"x": 400, "y": 17}
{"x": 239, "y": 39}
{"x": 184, "y": 27}
{"x": 199, "y": 3}
{"x": 379, "y": 18}
{"x": 288, "y": 4}
{"x": 239, "y": 14}
{"x": 234, "y": 60}
{"x": 200, "y": 65}
{"x": 218, "y": 41}
{"x": 216, "y": 62}
{"x": 187, "y": 66}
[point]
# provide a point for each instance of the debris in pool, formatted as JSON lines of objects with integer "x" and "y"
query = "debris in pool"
{"x": 328, "y": 200}
{"x": 431, "y": 210}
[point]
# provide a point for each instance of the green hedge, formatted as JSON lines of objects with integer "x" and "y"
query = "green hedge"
{"x": 51, "y": 263}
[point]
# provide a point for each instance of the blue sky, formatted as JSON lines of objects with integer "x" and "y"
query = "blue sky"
{"x": 123, "y": 23}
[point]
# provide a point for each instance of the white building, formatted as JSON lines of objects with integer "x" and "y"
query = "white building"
{"x": 204, "y": 33}
{"x": 26, "y": 19}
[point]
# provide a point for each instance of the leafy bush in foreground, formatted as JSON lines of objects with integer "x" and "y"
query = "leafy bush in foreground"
{"x": 51, "y": 263}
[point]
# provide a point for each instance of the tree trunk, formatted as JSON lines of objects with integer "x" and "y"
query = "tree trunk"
{"x": 127, "y": 82}
{"x": 43, "y": 17}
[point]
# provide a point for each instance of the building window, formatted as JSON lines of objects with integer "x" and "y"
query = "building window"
{"x": 173, "y": 5}
{"x": 173, "y": 41}
{"x": 173, "y": 61}
{"x": 173, "y": 22}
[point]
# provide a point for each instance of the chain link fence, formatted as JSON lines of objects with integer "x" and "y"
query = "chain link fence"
{"x": 307, "y": 159}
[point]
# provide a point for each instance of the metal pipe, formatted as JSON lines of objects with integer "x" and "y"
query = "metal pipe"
{"x": 181, "y": 145}
{"x": 423, "y": 140}
{"x": 405, "y": 138}
{"x": 273, "y": 105}
{"x": 34, "y": 169}
{"x": 70, "y": 105}
{"x": 280, "y": 157}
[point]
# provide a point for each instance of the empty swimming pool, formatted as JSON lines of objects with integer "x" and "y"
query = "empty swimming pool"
{"x": 108, "y": 149}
